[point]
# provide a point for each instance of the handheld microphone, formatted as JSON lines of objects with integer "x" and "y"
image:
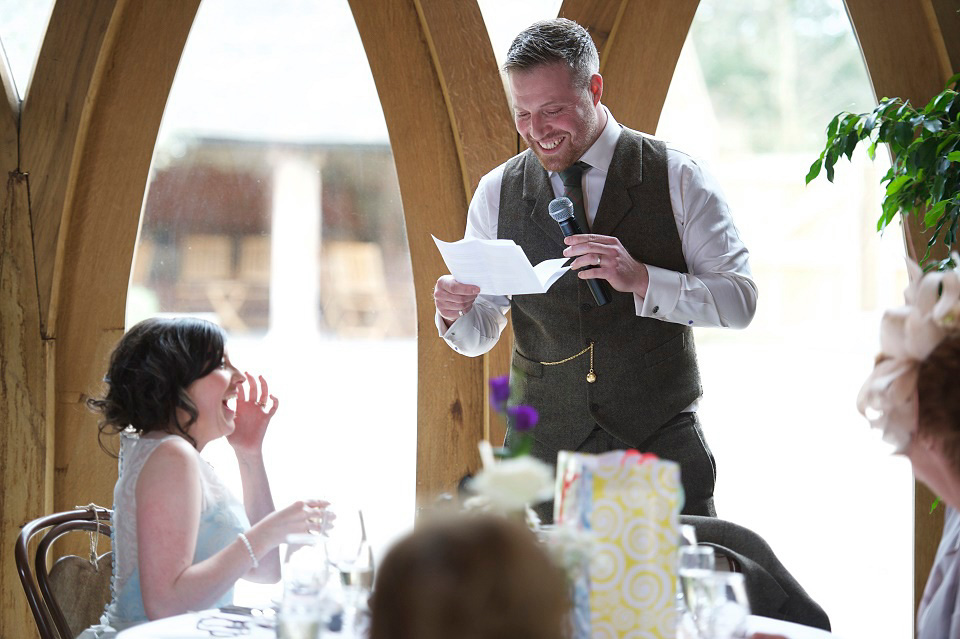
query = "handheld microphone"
{"x": 561, "y": 210}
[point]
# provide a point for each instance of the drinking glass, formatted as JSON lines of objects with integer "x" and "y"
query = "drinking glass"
{"x": 696, "y": 563}
{"x": 349, "y": 553}
{"x": 304, "y": 577}
{"x": 730, "y": 607}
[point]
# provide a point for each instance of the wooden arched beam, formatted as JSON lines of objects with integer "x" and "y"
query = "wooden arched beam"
{"x": 911, "y": 48}
{"x": 128, "y": 92}
{"x": 448, "y": 124}
{"x": 25, "y": 384}
{"x": 639, "y": 44}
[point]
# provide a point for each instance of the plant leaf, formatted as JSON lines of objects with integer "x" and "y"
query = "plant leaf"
{"x": 832, "y": 127}
{"x": 851, "y": 144}
{"x": 934, "y": 214}
{"x": 897, "y": 183}
{"x": 902, "y": 134}
{"x": 932, "y": 125}
{"x": 814, "y": 169}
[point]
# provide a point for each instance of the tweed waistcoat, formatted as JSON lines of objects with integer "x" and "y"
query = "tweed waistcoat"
{"x": 646, "y": 369}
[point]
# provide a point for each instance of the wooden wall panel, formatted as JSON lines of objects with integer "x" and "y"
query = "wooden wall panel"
{"x": 907, "y": 46}
{"x": 432, "y": 185}
{"x": 640, "y": 43}
{"x": 26, "y": 380}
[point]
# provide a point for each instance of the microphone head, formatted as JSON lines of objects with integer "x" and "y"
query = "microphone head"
{"x": 561, "y": 209}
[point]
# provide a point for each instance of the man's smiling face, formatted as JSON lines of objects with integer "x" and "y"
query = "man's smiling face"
{"x": 557, "y": 119}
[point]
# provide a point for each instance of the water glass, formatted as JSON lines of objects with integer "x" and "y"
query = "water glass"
{"x": 304, "y": 577}
{"x": 730, "y": 607}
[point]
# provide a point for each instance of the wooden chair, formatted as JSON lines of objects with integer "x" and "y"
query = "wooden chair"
{"x": 72, "y": 595}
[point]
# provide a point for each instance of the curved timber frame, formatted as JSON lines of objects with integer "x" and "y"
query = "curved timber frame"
{"x": 76, "y": 173}
{"x": 76, "y": 155}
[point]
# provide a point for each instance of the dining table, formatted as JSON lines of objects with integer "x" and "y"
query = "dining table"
{"x": 216, "y": 623}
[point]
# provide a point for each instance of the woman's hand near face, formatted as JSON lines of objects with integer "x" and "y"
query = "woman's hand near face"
{"x": 255, "y": 407}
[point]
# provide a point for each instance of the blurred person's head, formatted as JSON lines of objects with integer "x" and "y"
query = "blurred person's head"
{"x": 476, "y": 577}
{"x": 555, "y": 86}
{"x": 170, "y": 375}
{"x": 935, "y": 449}
{"x": 913, "y": 393}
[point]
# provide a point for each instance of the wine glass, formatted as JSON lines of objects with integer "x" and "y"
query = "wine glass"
{"x": 696, "y": 564}
{"x": 730, "y": 606}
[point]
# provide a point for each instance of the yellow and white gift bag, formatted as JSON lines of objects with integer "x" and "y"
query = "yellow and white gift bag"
{"x": 631, "y": 502}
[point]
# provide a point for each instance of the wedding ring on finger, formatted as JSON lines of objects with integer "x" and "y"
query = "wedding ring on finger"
{"x": 460, "y": 313}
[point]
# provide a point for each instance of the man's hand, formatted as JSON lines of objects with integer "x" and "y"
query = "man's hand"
{"x": 453, "y": 299}
{"x": 610, "y": 260}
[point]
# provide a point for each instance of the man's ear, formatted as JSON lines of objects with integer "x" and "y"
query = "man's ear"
{"x": 596, "y": 88}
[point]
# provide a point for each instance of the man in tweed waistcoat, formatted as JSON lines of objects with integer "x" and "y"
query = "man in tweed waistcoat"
{"x": 661, "y": 239}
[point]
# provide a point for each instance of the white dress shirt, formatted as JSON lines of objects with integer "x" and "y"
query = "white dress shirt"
{"x": 718, "y": 290}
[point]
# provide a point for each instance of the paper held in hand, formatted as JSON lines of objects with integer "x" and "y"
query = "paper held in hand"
{"x": 499, "y": 267}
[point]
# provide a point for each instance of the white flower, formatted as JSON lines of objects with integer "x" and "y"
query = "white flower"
{"x": 511, "y": 484}
{"x": 570, "y": 546}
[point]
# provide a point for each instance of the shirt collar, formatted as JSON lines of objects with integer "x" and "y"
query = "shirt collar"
{"x": 600, "y": 153}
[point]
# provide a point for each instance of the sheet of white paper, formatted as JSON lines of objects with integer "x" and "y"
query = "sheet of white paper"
{"x": 499, "y": 267}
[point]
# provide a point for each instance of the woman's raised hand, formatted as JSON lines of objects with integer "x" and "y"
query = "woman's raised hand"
{"x": 255, "y": 408}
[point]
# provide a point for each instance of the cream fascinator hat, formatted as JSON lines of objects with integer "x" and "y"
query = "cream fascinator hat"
{"x": 888, "y": 399}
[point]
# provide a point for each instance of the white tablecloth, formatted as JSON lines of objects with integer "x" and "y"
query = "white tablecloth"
{"x": 185, "y": 627}
{"x": 785, "y": 628}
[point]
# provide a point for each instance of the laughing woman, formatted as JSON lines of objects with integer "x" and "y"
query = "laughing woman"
{"x": 180, "y": 539}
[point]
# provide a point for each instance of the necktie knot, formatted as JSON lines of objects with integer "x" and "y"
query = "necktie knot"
{"x": 573, "y": 174}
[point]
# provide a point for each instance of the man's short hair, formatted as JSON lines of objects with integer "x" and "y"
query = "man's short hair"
{"x": 552, "y": 41}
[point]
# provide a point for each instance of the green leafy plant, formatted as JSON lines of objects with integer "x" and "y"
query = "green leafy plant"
{"x": 924, "y": 178}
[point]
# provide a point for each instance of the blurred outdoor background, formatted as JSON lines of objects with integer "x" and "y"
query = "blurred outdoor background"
{"x": 273, "y": 208}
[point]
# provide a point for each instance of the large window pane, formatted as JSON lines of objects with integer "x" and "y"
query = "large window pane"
{"x": 273, "y": 208}
{"x": 22, "y": 25}
{"x": 754, "y": 89}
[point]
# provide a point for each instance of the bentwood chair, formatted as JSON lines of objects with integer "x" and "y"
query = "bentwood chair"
{"x": 73, "y": 593}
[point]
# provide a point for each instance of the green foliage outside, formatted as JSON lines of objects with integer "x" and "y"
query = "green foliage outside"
{"x": 770, "y": 64}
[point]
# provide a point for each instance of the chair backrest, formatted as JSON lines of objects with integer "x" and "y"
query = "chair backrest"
{"x": 772, "y": 590}
{"x": 63, "y": 606}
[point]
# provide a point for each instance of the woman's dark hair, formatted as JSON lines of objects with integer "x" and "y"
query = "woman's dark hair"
{"x": 938, "y": 394}
{"x": 480, "y": 577}
{"x": 150, "y": 370}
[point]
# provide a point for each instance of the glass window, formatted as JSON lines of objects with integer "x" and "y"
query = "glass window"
{"x": 505, "y": 19}
{"x": 755, "y": 87}
{"x": 21, "y": 32}
{"x": 273, "y": 208}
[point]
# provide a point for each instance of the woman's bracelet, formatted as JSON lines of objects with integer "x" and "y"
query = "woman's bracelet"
{"x": 246, "y": 542}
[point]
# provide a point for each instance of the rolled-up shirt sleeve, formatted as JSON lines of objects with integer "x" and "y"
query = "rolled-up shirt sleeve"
{"x": 479, "y": 329}
{"x": 718, "y": 290}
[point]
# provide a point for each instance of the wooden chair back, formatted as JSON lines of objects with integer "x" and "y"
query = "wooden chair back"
{"x": 72, "y": 594}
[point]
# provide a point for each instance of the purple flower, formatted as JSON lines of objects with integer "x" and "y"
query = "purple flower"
{"x": 524, "y": 417}
{"x": 499, "y": 391}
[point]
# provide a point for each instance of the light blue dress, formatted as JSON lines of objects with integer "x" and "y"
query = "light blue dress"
{"x": 938, "y": 616}
{"x": 222, "y": 517}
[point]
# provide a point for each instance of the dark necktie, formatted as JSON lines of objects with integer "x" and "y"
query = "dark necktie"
{"x": 572, "y": 178}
